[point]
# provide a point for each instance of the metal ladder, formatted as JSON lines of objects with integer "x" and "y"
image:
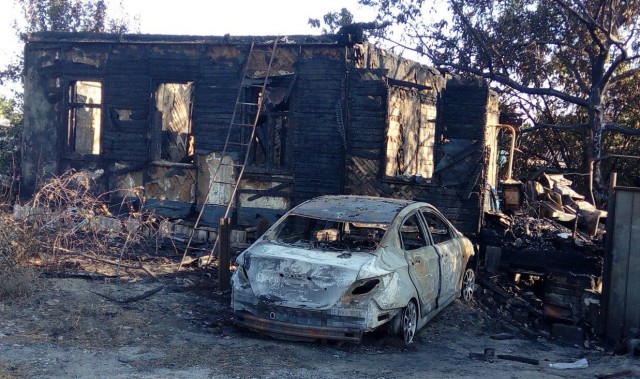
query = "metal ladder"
{"x": 237, "y": 124}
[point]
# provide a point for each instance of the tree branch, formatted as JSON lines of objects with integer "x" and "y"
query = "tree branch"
{"x": 476, "y": 36}
{"x": 588, "y": 22}
{"x": 612, "y": 68}
{"x": 625, "y": 75}
{"x": 612, "y": 127}
{"x": 576, "y": 73}
{"x": 540, "y": 126}
{"x": 515, "y": 85}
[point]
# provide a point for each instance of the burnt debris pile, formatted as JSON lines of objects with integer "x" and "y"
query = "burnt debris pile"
{"x": 543, "y": 261}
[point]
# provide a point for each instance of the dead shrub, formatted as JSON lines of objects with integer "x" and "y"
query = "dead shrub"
{"x": 18, "y": 283}
{"x": 68, "y": 219}
{"x": 18, "y": 242}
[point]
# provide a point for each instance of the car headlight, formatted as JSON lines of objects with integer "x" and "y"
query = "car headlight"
{"x": 243, "y": 266}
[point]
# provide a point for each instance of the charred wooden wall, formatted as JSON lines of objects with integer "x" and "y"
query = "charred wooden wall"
{"x": 130, "y": 69}
{"x": 466, "y": 110}
{"x": 371, "y": 75}
{"x": 337, "y": 128}
{"x": 468, "y": 115}
{"x": 318, "y": 153}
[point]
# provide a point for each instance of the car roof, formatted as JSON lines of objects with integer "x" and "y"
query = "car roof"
{"x": 366, "y": 209}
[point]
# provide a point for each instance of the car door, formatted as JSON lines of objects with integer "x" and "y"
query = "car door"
{"x": 448, "y": 248}
{"x": 423, "y": 262}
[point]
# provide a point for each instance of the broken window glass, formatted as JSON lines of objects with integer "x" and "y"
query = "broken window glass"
{"x": 174, "y": 102}
{"x": 85, "y": 117}
{"x": 410, "y": 133}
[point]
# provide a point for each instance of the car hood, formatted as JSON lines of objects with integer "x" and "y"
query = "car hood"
{"x": 299, "y": 277}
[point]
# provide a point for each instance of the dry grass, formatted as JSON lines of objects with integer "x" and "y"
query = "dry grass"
{"x": 66, "y": 220}
{"x": 18, "y": 242}
{"x": 19, "y": 283}
{"x": 90, "y": 322}
{"x": 67, "y": 225}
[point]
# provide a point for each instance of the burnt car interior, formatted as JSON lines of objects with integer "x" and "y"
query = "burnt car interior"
{"x": 437, "y": 228}
{"x": 307, "y": 232}
{"x": 411, "y": 234}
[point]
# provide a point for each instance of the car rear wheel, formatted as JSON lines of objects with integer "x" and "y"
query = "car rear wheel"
{"x": 405, "y": 323}
{"x": 468, "y": 284}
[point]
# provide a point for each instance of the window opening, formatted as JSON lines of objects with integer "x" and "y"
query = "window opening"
{"x": 410, "y": 133}
{"x": 269, "y": 147}
{"x": 85, "y": 117}
{"x": 174, "y": 103}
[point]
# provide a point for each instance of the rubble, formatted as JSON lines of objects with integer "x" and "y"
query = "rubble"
{"x": 546, "y": 258}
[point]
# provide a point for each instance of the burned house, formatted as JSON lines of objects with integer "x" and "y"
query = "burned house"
{"x": 149, "y": 114}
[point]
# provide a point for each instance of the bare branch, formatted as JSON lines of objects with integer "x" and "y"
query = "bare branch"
{"x": 588, "y": 22}
{"x": 476, "y": 36}
{"x": 540, "y": 126}
{"x": 132, "y": 299}
{"x": 612, "y": 127}
{"x": 625, "y": 75}
{"x": 547, "y": 42}
{"x": 545, "y": 91}
{"x": 612, "y": 68}
{"x": 609, "y": 127}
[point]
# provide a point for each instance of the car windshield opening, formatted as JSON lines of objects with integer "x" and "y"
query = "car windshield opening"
{"x": 331, "y": 235}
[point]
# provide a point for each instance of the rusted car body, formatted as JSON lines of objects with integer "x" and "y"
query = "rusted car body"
{"x": 336, "y": 267}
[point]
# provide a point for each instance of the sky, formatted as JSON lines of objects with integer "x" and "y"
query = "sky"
{"x": 205, "y": 17}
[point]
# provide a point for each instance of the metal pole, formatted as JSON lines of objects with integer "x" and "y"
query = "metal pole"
{"x": 512, "y": 147}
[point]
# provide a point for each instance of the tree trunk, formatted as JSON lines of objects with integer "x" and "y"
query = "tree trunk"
{"x": 596, "y": 121}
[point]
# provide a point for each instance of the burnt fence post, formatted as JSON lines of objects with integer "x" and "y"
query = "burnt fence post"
{"x": 224, "y": 234}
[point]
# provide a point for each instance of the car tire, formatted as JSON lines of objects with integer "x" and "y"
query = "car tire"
{"x": 468, "y": 284}
{"x": 404, "y": 324}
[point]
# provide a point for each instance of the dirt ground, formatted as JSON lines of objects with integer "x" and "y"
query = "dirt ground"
{"x": 66, "y": 329}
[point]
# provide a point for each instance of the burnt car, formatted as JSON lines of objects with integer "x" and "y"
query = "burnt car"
{"x": 336, "y": 267}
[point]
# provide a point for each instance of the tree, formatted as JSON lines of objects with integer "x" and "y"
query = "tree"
{"x": 69, "y": 16}
{"x": 10, "y": 137}
{"x": 61, "y": 16}
{"x": 333, "y": 21}
{"x": 567, "y": 54}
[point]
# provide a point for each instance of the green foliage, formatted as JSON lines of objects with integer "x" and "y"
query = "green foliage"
{"x": 69, "y": 16}
{"x": 10, "y": 137}
{"x": 332, "y": 21}
{"x": 61, "y": 16}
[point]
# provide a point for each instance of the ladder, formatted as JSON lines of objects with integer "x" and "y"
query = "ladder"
{"x": 238, "y": 127}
